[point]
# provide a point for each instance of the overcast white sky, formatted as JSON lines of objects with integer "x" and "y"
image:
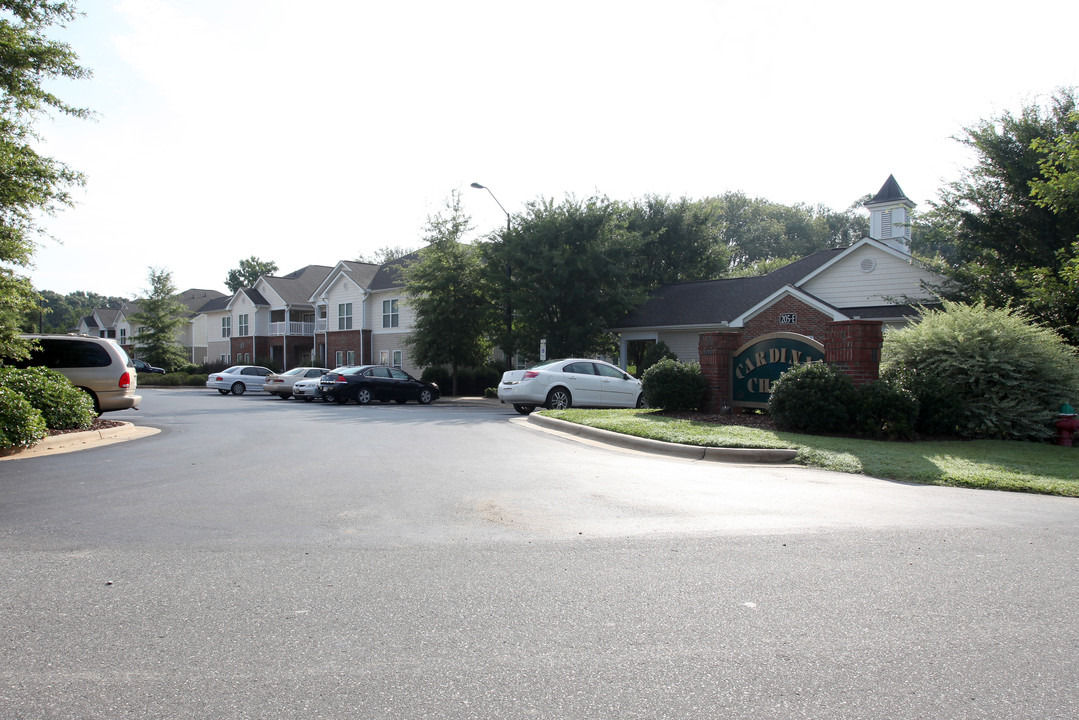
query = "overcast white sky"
{"x": 307, "y": 133}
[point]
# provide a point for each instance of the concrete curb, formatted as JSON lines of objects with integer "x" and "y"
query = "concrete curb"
{"x": 689, "y": 452}
{"x": 67, "y": 442}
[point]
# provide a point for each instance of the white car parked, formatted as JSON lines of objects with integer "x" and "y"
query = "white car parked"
{"x": 281, "y": 384}
{"x": 307, "y": 390}
{"x": 576, "y": 382}
{"x": 238, "y": 379}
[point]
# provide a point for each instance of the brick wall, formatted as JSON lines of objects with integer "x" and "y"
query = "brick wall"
{"x": 853, "y": 346}
{"x": 810, "y": 321}
{"x": 716, "y": 349}
{"x": 346, "y": 340}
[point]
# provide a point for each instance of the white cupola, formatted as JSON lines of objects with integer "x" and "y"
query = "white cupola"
{"x": 890, "y": 216}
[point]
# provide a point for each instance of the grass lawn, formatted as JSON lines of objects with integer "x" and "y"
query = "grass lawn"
{"x": 988, "y": 464}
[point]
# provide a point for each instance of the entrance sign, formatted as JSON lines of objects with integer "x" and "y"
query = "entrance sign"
{"x": 760, "y": 362}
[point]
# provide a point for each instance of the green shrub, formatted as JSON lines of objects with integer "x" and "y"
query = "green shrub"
{"x": 487, "y": 377}
{"x": 194, "y": 380}
{"x": 886, "y": 410}
{"x": 814, "y": 397}
{"x": 939, "y": 408}
{"x": 491, "y": 392}
{"x": 439, "y": 376}
{"x": 62, "y": 405}
{"x": 653, "y": 354}
{"x": 21, "y": 424}
{"x": 1006, "y": 375}
{"x": 466, "y": 382}
{"x": 671, "y": 385}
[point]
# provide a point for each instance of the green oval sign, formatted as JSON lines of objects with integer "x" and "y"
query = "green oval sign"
{"x": 760, "y": 362}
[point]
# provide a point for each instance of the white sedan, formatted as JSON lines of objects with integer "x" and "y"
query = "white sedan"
{"x": 238, "y": 379}
{"x": 281, "y": 384}
{"x": 573, "y": 382}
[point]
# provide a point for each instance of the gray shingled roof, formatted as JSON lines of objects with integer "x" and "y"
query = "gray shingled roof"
{"x": 194, "y": 298}
{"x": 218, "y": 303}
{"x": 716, "y": 302}
{"x": 389, "y": 275}
{"x": 297, "y": 287}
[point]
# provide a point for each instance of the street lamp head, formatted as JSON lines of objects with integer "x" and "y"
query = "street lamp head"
{"x": 478, "y": 186}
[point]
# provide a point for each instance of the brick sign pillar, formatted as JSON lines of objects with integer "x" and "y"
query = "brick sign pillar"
{"x": 853, "y": 346}
{"x": 716, "y": 350}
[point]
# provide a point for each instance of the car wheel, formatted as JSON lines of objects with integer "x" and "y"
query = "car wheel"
{"x": 363, "y": 396}
{"x": 559, "y": 399}
{"x": 238, "y": 388}
{"x": 223, "y": 392}
{"x": 641, "y": 402}
{"x": 426, "y": 396}
{"x": 340, "y": 398}
{"x": 524, "y": 409}
{"x": 284, "y": 396}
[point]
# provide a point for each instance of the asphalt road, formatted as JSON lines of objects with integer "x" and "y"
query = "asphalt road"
{"x": 268, "y": 559}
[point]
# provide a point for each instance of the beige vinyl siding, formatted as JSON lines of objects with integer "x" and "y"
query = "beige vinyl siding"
{"x": 344, "y": 291}
{"x": 683, "y": 343}
{"x": 847, "y": 285}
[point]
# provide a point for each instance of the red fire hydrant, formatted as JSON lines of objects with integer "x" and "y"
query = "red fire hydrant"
{"x": 1067, "y": 423}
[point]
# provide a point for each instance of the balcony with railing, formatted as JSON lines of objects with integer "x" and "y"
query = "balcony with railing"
{"x": 292, "y": 327}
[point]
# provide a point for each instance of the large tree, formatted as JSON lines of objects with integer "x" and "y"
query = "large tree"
{"x": 31, "y": 185}
{"x": 250, "y": 270}
{"x": 676, "y": 241}
{"x": 1000, "y": 243}
{"x": 158, "y": 322}
{"x": 564, "y": 273}
{"x": 447, "y": 293}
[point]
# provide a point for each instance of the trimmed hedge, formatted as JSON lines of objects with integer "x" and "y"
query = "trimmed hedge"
{"x": 983, "y": 372}
{"x": 671, "y": 385}
{"x": 21, "y": 424}
{"x": 62, "y": 405}
{"x": 814, "y": 397}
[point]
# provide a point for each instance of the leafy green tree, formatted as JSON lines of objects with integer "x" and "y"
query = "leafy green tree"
{"x": 250, "y": 270}
{"x": 31, "y": 185}
{"x": 158, "y": 322}
{"x": 1008, "y": 243}
{"x": 564, "y": 270}
{"x": 446, "y": 290}
{"x": 677, "y": 241}
{"x": 755, "y": 229}
{"x": 56, "y": 313}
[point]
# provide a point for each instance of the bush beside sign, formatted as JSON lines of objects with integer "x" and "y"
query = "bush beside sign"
{"x": 760, "y": 362}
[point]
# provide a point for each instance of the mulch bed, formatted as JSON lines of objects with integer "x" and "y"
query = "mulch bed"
{"x": 98, "y": 424}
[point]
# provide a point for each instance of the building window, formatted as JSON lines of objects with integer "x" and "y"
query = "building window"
{"x": 397, "y": 358}
{"x": 351, "y": 355}
{"x": 226, "y": 326}
{"x": 384, "y": 357}
{"x": 123, "y": 336}
{"x": 390, "y": 316}
{"x": 339, "y": 358}
{"x": 241, "y": 325}
{"x": 225, "y": 358}
{"x": 344, "y": 316}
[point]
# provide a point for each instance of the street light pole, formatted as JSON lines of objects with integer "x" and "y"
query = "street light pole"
{"x": 509, "y": 278}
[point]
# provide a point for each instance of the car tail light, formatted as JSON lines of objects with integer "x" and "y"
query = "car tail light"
{"x": 529, "y": 374}
{"x": 125, "y": 381}
{"x": 341, "y": 379}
